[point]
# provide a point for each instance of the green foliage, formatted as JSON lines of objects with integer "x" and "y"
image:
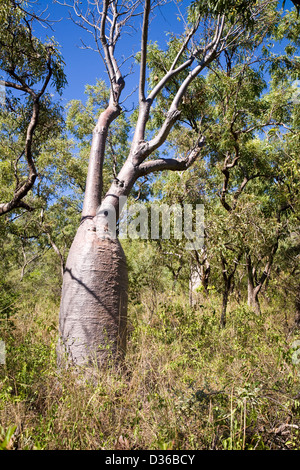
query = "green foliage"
{"x": 217, "y": 7}
{"x": 6, "y": 436}
{"x": 188, "y": 385}
{"x": 8, "y": 298}
{"x": 24, "y": 55}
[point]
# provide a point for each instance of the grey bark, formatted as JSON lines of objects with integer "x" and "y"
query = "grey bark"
{"x": 94, "y": 300}
{"x": 253, "y": 301}
{"x": 92, "y": 323}
{"x": 254, "y": 285}
{"x": 200, "y": 272}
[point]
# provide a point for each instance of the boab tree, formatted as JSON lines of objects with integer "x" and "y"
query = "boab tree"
{"x": 92, "y": 322}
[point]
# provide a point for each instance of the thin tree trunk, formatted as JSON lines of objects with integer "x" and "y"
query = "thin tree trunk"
{"x": 226, "y": 283}
{"x": 205, "y": 272}
{"x": 253, "y": 290}
{"x": 254, "y": 286}
{"x": 224, "y": 305}
{"x": 253, "y": 301}
{"x": 199, "y": 274}
{"x": 297, "y": 306}
{"x": 228, "y": 277}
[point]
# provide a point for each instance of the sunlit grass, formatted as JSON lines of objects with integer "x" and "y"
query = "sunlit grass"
{"x": 185, "y": 384}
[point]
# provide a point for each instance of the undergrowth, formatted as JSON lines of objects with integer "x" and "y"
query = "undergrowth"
{"x": 186, "y": 382}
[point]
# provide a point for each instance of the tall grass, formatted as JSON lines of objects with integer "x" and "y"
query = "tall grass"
{"x": 186, "y": 383}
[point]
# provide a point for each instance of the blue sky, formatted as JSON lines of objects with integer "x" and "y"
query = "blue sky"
{"x": 85, "y": 66}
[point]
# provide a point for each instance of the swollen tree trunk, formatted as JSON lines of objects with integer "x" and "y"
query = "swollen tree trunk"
{"x": 92, "y": 324}
{"x": 93, "y": 311}
{"x": 94, "y": 299}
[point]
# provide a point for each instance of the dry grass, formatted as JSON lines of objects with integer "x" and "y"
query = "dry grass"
{"x": 186, "y": 383}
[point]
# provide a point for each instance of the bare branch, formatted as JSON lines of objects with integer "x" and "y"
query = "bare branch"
{"x": 16, "y": 86}
{"x": 171, "y": 163}
{"x": 144, "y": 51}
{"x": 24, "y": 188}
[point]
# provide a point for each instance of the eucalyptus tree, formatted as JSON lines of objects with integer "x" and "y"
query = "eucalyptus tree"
{"x": 246, "y": 166}
{"x": 240, "y": 106}
{"x": 29, "y": 66}
{"x": 284, "y": 198}
{"x": 94, "y": 293}
{"x": 249, "y": 173}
